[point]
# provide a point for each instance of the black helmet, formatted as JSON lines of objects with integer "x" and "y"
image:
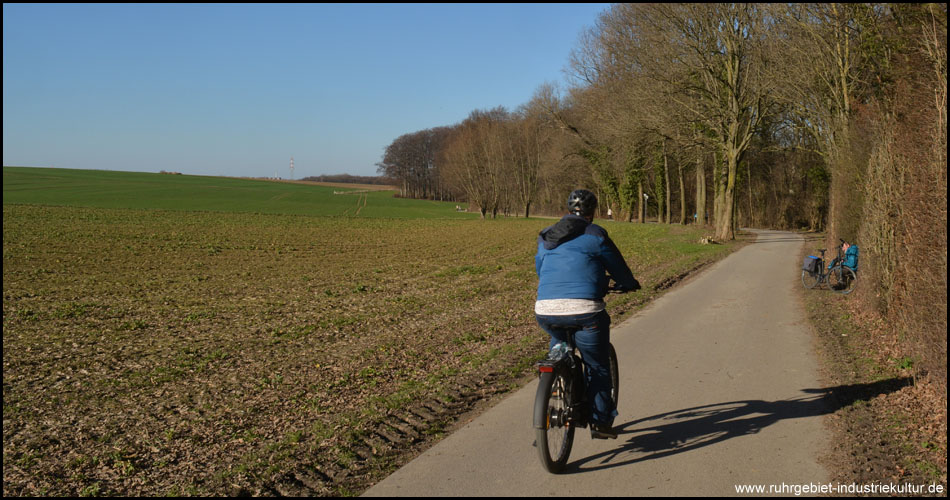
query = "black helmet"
{"x": 582, "y": 202}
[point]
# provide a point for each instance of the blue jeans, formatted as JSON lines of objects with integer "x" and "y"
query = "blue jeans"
{"x": 593, "y": 340}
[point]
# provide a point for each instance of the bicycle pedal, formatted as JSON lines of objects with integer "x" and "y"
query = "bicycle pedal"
{"x": 599, "y": 432}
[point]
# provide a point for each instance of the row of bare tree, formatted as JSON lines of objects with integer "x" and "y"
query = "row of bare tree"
{"x": 492, "y": 159}
{"x": 660, "y": 94}
{"x": 824, "y": 116}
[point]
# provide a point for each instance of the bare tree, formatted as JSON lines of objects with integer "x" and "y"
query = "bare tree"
{"x": 826, "y": 51}
{"x": 610, "y": 135}
{"x": 413, "y": 160}
{"x": 476, "y": 156}
{"x": 531, "y": 132}
{"x": 706, "y": 59}
{"x": 721, "y": 48}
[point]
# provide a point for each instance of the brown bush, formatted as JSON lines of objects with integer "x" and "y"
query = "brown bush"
{"x": 903, "y": 221}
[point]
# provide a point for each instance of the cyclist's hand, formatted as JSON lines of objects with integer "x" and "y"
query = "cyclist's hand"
{"x": 634, "y": 288}
{"x": 617, "y": 288}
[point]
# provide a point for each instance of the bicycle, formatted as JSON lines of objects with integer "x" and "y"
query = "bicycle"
{"x": 839, "y": 277}
{"x": 561, "y": 404}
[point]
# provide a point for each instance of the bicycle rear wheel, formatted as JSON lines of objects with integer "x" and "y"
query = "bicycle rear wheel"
{"x": 841, "y": 279}
{"x": 553, "y": 430}
{"x": 810, "y": 279}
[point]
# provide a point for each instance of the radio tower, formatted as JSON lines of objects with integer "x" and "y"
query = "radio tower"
{"x": 291, "y": 168}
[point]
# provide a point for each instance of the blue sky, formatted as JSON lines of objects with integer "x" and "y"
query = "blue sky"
{"x": 238, "y": 89}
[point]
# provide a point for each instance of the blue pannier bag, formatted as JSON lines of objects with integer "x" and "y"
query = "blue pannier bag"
{"x": 851, "y": 258}
{"x": 811, "y": 264}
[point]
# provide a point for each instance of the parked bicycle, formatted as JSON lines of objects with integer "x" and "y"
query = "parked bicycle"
{"x": 561, "y": 404}
{"x": 840, "y": 275}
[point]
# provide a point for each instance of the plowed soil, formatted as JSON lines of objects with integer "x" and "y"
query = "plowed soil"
{"x": 151, "y": 352}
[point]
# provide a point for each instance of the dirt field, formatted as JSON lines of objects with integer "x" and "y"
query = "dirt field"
{"x": 149, "y": 352}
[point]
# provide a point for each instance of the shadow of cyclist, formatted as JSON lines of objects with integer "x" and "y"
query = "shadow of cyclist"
{"x": 692, "y": 428}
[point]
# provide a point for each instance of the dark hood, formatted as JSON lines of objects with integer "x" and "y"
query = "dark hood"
{"x": 568, "y": 228}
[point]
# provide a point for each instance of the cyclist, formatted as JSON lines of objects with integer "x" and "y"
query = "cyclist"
{"x": 573, "y": 260}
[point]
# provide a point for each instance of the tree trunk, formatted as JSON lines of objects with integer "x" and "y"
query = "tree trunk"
{"x": 700, "y": 191}
{"x": 666, "y": 179}
{"x": 640, "y": 202}
{"x": 658, "y": 186}
{"x": 719, "y": 187}
{"x": 682, "y": 193}
{"x": 751, "y": 220}
{"x": 724, "y": 226}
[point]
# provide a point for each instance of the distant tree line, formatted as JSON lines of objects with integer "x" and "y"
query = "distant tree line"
{"x": 822, "y": 116}
{"x": 354, "y": 179}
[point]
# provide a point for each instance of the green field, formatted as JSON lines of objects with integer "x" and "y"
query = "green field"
{"x": 109, "y": 189}
{"x": 153, "y": 350}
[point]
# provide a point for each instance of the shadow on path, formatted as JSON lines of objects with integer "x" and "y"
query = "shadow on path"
{"x": 685, "y": 430}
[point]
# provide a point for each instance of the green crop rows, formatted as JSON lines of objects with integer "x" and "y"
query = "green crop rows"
{"x": 107, "y": 189}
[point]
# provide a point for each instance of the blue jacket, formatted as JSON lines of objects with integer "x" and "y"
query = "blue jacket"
{"x": 573, "y": 259}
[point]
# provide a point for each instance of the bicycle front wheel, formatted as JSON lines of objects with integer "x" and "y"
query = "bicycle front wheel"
{"x": 810, "y": 279}
{"x": 554, "y": 431}
{"x": 841, "y": 279}
{"x": 614, "y": 377}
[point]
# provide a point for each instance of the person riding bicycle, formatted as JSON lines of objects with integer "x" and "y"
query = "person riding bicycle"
{"x": 573, "y": 261}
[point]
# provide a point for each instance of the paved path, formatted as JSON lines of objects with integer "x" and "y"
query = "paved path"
{"x": 718, "y": 388}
